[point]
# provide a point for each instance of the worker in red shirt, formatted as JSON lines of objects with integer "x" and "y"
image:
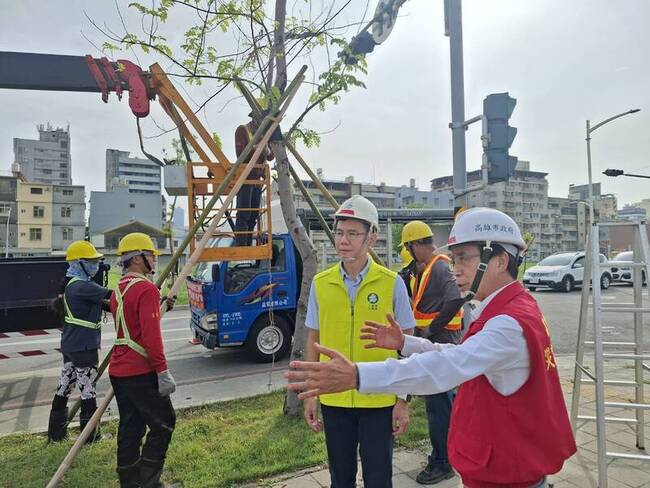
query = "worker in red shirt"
{"x": 138, "y": 368}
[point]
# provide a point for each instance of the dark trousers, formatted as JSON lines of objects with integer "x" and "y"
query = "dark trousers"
{"x": 438, "y": 415}
{"x": 249, "y": 196}
{"x": 368, "y": 429}
{"x": 140, "y": 406}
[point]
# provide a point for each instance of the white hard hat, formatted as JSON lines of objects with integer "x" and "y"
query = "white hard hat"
{"x": 359, "y": 208}
{"x": 481, "y": 224}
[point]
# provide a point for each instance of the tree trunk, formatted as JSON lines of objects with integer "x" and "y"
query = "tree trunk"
{"x": 309, "y": 262}
{"x": 296, "y": 229}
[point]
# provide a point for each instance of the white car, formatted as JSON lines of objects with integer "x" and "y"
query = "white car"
{"x": 563, "y": 271}
{"x": 623, "y": 273}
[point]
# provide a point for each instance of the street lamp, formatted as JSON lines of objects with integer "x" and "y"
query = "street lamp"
{"x": 588, "y": 139}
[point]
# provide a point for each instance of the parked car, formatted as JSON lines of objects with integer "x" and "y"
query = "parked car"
{"x": 622, "y": 273}
{"x": 563, "y": 271}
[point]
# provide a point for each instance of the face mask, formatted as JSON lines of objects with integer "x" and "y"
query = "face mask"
{"x": 91, "y": 268}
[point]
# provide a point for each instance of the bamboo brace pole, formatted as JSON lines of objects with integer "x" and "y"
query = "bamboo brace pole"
{"x": 293, "y": 86}
{"x": 311, "y": 203}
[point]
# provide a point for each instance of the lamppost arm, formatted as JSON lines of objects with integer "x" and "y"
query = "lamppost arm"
{"x": 634, "y": 110}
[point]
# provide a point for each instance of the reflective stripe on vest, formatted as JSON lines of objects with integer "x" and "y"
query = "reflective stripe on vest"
{"x": 341, "y": 321}
{"x": 71, "y": 319}
{"x": 423, "y": 320}
{"x": 120, "y": 322}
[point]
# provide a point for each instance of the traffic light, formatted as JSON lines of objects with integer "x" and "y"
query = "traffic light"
{"x": 497, "y": 109}
{"x": 613, "y": 172}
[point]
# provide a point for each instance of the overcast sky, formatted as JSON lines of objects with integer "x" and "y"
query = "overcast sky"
{"x": 564, "y": 62}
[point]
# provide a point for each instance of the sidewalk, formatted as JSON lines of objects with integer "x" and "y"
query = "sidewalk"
{"x": 579, "y": 471}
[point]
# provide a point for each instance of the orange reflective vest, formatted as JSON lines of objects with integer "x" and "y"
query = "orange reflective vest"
{"x": 423, "y": 320}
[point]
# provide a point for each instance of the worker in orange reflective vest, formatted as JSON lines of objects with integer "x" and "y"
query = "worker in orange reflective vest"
{"x": 437, "y": 307}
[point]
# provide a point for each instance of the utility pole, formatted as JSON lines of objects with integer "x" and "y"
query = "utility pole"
{"x": 7, "y": 234}
{"x": 454, "y": 30}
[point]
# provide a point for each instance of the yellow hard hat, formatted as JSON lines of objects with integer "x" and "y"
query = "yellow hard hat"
{"x": 81, "y": 250}
{"x": 406, "y": 257}
{"x": 414, "y": 231}
{"x": 136, "y": 241}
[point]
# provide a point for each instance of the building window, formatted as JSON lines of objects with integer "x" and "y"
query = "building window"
{"x": 39, "y": 212}
{"x": 63, "y": 165}
{"x": 62, "y": 175}
{"x": 131, "y": 205}
{"x": 5, "y": 208}
{"x": 35, "y": 234}
{"x": 66, "y": 233}
{"x": 47, "y": 171}
{"x": 36, "y": 191}
{"x": 68, "y": 193}
{"x": 66, "y": 211}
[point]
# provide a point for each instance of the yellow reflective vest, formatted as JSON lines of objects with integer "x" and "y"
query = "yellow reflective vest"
{"x": 340, "y": 323}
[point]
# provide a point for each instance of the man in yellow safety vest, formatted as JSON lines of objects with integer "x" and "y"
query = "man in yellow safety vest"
{"x": 437, "y": 307}
{"x": 342, "y": 298}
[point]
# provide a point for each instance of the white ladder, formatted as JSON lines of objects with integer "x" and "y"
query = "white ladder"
{"x": 632, "y": 350}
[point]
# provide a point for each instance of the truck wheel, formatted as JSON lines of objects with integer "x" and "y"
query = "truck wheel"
{"x": 267, "y": 341}
{"x": 532, "y": 288}
{"x": 567, "y": 284}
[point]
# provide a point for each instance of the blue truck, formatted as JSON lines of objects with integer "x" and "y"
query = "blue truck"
{"x": 248, "y": 303}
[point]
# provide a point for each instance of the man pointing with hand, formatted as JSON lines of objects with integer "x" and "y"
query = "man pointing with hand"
{"x": 509, "y": 425}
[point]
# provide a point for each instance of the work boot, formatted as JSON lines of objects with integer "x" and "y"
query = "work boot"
{"x": 57, "y": 428}
{"x": 150, "y": 473}
{"x": 88, "y": 408}
{"x": 129, "y": 476}
{"x": 434, "y": 474}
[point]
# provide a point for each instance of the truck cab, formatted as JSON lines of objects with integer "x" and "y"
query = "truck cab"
{"x": 248, "y": 303}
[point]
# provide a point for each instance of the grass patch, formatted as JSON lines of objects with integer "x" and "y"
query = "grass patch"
{"x": 182, "y": 299}
{"x": 218, "y": 445}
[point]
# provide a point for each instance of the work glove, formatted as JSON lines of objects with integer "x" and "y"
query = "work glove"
{"x": 166, "y": 383}
{"x": 169, "y": 301}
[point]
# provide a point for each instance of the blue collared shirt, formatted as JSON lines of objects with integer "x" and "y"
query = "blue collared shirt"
{"x": 401, "y": 304}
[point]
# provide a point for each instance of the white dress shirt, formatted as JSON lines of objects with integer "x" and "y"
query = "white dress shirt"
{"x": 499, "y": 351}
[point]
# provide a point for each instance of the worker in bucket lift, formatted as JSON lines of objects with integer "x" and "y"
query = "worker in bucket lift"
{"x": 138, "y": 369}
{"x": 79, "y": 305}
{"x": 249, "y": 196}
{"x": 341, "y": 298}
{"x": 509, "y": 424}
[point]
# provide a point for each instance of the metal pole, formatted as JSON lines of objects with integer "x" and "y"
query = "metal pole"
{"x": 7, "y": 234}
{"x": 389, "y": 243}
{"x": 637, "y": 282}
{"x": 454, "y": 30}
{"x": 582, "y": 334}
{"x": 601, "y": 439}
{"x": 590, "y": 187}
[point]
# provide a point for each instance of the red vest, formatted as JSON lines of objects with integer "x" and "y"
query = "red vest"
{"x": 512, "y": 441}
